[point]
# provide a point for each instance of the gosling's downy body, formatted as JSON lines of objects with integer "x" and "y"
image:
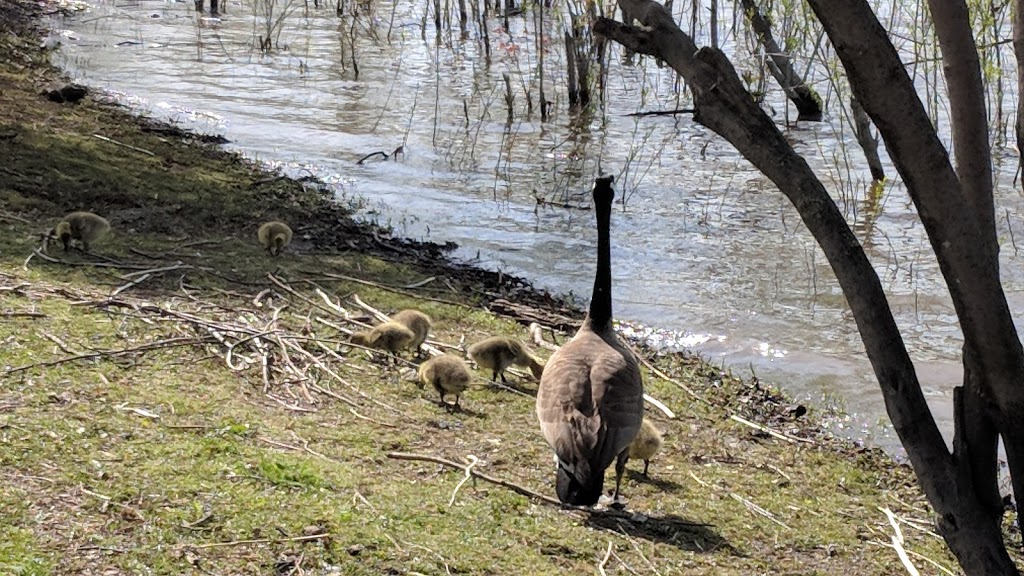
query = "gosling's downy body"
{"x": 85, "y": 227}
{"x": 448, "y": 374}
{"x": 274, "y": 236}
{"x": 417, "y": 322}
{"x": 498, "y": 353}
{"x": 646, "y": 444}
{"x": 590, "y": 400}
{"x": 390, "y": 336}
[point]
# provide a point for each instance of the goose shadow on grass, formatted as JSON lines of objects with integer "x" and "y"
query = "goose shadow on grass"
{"x": 652, "y": 479}
{"x": 671, "y": 529}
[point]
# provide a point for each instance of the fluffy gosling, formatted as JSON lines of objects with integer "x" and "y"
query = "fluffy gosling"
{"x": 416, "y": 321}
{"x": 448, "y": 374}
{"x": 85, "y": 227}
{"x": 274, "y": 236}
{"x": 390, "y": 336}
{"x": 646, "y": 444}
{"x": 498, "y": 353}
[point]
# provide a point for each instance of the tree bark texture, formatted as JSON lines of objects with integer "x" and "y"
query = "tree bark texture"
{"x": 724, "y": 106}
{"x": 807, "y": 102}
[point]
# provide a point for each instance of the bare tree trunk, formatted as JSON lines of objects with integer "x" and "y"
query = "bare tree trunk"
{"x": 867, "y": 141}
{"x": 1018, "y": 51}
{"x": 540, "y": 62}
{"x": 881, "y": 84}
{"x": 968, "y": 115}
{"x": 807, "y": 102}
{"x": 463, "y": 17}
{"x": 570, "y": 65}
{"x": 714, "y": 23}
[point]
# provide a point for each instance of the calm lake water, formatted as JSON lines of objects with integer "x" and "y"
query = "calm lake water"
{"x": 706, "y": 252}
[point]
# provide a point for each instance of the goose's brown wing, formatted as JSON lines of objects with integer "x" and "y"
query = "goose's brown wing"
{"x": 590, "y": 402}
{"x": 565, "y": 406}
{"x": 618, "y": 394}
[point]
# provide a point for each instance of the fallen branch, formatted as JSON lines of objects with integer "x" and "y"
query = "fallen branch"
{"x": 135, "y": 282}
{"x": 537, "y": 335}
{"x": 757, "y": 509}
{"x": 770, "y": 432}
{"x": 473, "y": 461}
{"x": 468, "y": 469}
{"x": 660, "y": 406}
{"x": 663, "y": 112}
{"x": 255, "y": 541}
{"x": 610, "y": 512}
{"x": 392, "y": 289}
{"x": 661, "y": 374}
{"x": 48, "y": 258}
{"x": 162, "y": 344}
{"x": 24, "y": 315}
{"x": 607, "y": 554}
{"x": 128, "y": 146}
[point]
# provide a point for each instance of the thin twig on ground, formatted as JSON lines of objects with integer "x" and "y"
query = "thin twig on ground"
{"x": 162, "y": 344}
{"x": 770, "y": 432}
{"x": 607, "y": 555}
{"x": 255, "y": 541}
{"x": 473, "y": 460}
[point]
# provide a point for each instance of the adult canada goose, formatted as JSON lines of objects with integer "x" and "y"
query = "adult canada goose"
{"x": 274, "y": 236}
{"x": 416, "y": 321}
{"x": 85, "y": 227}
{"x": 498, "y": 353}
{"x": 390, "y": 336}
{"x": 447, "y": 373}
{"x": 646, "y": 444}
{"x": 590, "y": 400}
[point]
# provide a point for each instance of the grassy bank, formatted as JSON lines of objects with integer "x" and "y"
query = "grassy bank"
{"x": 181, "y": 403}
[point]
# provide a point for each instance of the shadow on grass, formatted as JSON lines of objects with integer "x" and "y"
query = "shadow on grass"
{"x": 653, "y": 480}
{"x": 683, "y": 533}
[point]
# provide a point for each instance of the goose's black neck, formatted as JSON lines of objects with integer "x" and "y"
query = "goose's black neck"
{"x": 600, "y": 315}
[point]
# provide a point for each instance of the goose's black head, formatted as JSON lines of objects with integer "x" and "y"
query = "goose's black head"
{"x": 603, "y": 191}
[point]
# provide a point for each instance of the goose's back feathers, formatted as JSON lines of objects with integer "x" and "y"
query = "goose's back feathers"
{"x": 590, "y": 403}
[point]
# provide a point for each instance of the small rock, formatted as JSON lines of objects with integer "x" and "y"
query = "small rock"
{"x": 313, "y": 530}
{"x": 69, "y": 93}
{"x": 355, "y": 549}
{"x": 797, "y": 410}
